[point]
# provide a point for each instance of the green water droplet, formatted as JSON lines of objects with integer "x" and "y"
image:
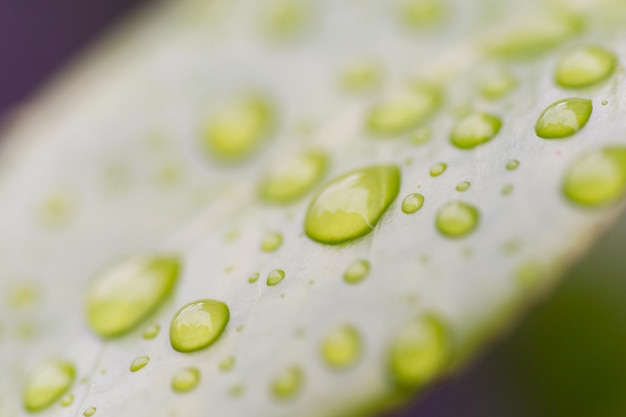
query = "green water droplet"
{"x": 401, "y": 113}
{"x": 498, "y": 84}
{"x": 67, "y": 400}
{"x": 507, "y": 189}
{"x": 151, "y": 331}
{"x": 438, "y": 169}
{"x": 90, "y": 411}
{"x": 584, "y": 66}
{"x": 47, "y": 384}
{"x": 360, "y": 77}
{"x": 253, "y": 278}
{"x": 412, "y": 203}
{"x": 238, "y": 128}
{"x": 419, "y": 14}
{"x": 126, "y": 294}
{"x": 357, "y": 272}
{"x": 274, "y": 277}
{"x": 597, "y": 178}
{"x": 288, "y": 383}
{"x": 563, "y": 118}
{"x": 512, "y": 165}
{"x": 272, "y": 242}
{"x": 342, "y": 347}
{"x": 138, "y": 363}
{"x": 604, "y": 102}
{"x": 22, "y": 296}
{"x": 285, "y": 19}
{"x": 185, "y": 380}
{"x": 351, "y": 205}
{"x": 457, "y": 219}
{"x": 198, "y": 324}
{"x": 463, "y": 186}
{"x": 475, "y": 129}
{"x": 227, "y": 364}
{"x": 418, "y": 353}
{"x": 288, "y": 181}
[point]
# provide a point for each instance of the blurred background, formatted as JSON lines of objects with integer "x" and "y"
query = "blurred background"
{"x": 565, "y": 359}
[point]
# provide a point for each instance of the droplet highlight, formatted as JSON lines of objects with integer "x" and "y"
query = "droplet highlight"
{"x": 198, "y": 324}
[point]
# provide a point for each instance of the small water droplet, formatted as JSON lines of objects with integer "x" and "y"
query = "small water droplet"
{"x": 227, "y": 364}
{"x": 67, "y": 400}
{"x": 463, "y": 186}
{"x": 90, "y": 411}
{"x": 419, "y": 14}
{"x": 498, "y": 84}
{"x": 507, "y": 189}
{"x": 438, "y": 169}
{"x": 512, "y": 165}
{"x": 185, "y": 380}
{"x": 475, "y": 129}
{"x": 285, "y": 19}
{"x": 357, "y": 272}
{"x": 342, "y": 347}
{"x": 274, "y": 277}
{"x": 138, "y": 363}
{"x": 597, "y": 178}
{"x": 360, "y": 77}
{"x": 253, "y": 278}
{"x": 151, "y": 331}
{"x": 238, "y": 128}
{"x": 272, "y": 242}
{"x": 351, "y": 205}
{"x": 288, "y": 383}
{"x": 584, "y": 66}
{"x": 457, "y": 219}
{"x": 605, "y": 102}
{"x": 418, "y": 353}
{"x": 287, "y": 181}
{"x": 47, "y": 384}
{"x": 124, "y": 295}
{"x": 412, "y": 203}
{"x": 198, "y": 324}
{"x": 563, "y": 118}
{"x": 22, "y": 296}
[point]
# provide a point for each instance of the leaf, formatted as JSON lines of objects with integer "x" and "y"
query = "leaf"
{"x": 129, "y": 156}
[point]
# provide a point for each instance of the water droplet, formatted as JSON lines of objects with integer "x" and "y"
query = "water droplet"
{"x": 507, "y": 189}
{"x": 563, "y": 118}
{"x": 227, "y": 364}
{"x": 419, "y": 14}
{"x": 360, "y": 77}
{"x": 475, "y": 129}
{"x": 357, "y": 272}
{"x": 342, "y": 347}
{"x": 438, "y": 169}
{"x": 198, "y": 324}
{"x": 457, "y": 219}
{"x": 139, "y": 363}
{"x": 497, "y": 84}
{"x": 604, "y": 102}
{"x": 151, "y": 331}
{"x": 350, "y": 206}
{"x": 126, "y": 294}
{"x": 288, "y": 383}
{"x": 274, "y": 277}
{"x": 285, "y": 19}
{"x": 597, "y": 178}
{"x": 463, "y": 186}
{"x": 412, "y": 203}
{"x": 253, "y": 278}
{"x": 418, "y": 353}
{"x": 402, "y": 113}
{"x": 185, "y": 380}
{"x": 236, "y": 391}
{"x": 584, "y": 66}
{"x": 288, "y": 181}
{"x": 47, "y": 384}
{"x": 512, "y": 165}
{"x": 67, "y": 400}
{"x": 238, "y": 128}
{"x": 22, "y": 296}
{"x": 90, "y": 411}
{"x": 272, "y": 242}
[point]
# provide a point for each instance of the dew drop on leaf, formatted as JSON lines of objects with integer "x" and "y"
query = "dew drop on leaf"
{"x": 357, "y": 272}
{"x": 350, "y": 206}
{"x": 198, "y": 324}
{"x": 563, "y": 118}
{"x": 275, "y": 277}
{"x": 412, "y": 203}
{"x": 227, "y": 364}
{"x": 463, "y": 186}
{"x": 360, "y": 77}
{"x": 512, "y": 165}
{"x": 151, "y": 331}
{"x": 288, "y": 383}
{"x": 475, "y": 129}
{"x": 438, "y": 169}
{"x": 139, "y": 363}
{"x": 498, "y": 84}
{"x": 584, "y": 66}
{"x": 272, "y": 242}
{"x": 89, "y": 411}
{"x": 253, "y": 278}
{"x": 67, "y": 400}
{"x": 457, "y": 219}
{"x": 47, "y": 384}
{"x": 342, "y": 347}
{"x": 185, "y": 380}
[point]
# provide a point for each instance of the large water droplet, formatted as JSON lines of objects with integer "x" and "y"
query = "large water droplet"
{"x": 288, "y": 383}
{"x": 357, "y": 272}
{"x": 47, "y": 384}
{"x": 418, "y": 353}
{"x": 457, "y": 219}
{"x": 584, "y": 66}
{"x": 238, "y": 128}
{"x": 198, "y": 324}
{"x": 185, "y": 380}
{"x": 287, "y": 181}
{"x": 342, "y": 347}
{"x": 350, "y": 206}
{"x": 412, "y": 203}
{"x": 139, "y": 363}
{"x": 563, "y": 118}
{"x": 272, "y": 242}
{"x": 275, "y": 277}
{"x": 597, "y": 178}
{"x": 475, "y": 129}
{"x": 124, "y": 295}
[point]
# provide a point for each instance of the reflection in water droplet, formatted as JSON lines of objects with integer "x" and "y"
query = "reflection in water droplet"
{"x": 584, "y": 66}
{"x": 198, "y": 324}
{"x": 563, "y": 118}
